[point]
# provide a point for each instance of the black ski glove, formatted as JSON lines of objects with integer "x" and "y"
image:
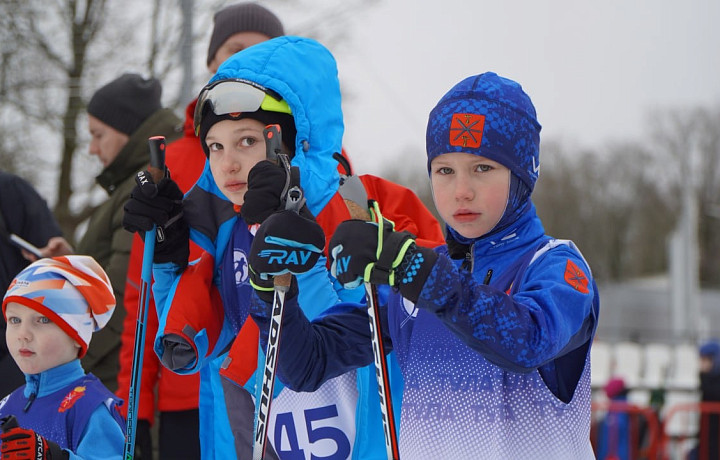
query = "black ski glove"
{"x": 285, "y": 243}
{"x": 266, "y": 183}
{"x": 159, "y": 204}
{"x": 373, "y": 252}
{"x": 22, "y": 443}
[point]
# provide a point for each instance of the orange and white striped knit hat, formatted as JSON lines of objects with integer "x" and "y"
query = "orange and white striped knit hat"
{"x": 73, "y": 291}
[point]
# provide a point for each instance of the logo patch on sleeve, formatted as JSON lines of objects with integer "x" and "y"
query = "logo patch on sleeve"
{"x": 466, "y": 130}
{"x": 71, "y": 398}
{"x": 575, "y": 277}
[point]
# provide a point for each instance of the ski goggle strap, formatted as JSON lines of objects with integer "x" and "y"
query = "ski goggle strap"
{"x": 237, "y": 96}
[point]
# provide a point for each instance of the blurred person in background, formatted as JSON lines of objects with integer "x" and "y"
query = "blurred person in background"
{"x": 25, "y": 213}
{"x": 708, "y": 447}
{"x": 614, "y": 433}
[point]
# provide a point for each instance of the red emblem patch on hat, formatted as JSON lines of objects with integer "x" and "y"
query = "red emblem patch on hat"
{"x": 575, "y": 277}
{"x": 466, "y": 130}
{"x": 71, "y": 398}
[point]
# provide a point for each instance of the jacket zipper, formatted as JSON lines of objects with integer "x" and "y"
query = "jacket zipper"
{"x": 469, "y": 261}
{"x": 31, "y": 399}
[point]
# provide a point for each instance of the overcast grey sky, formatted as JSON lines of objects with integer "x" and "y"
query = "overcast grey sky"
{"x": 593, "y": 69}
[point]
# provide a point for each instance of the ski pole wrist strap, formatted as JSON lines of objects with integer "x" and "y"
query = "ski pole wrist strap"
{"x": 390, "y": 249}
{"x": 390, "y": 253}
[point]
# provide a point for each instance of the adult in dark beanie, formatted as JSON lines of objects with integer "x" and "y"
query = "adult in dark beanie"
{"x": 237, "y": 27}
{"x": 126, "y": 102}
{"x": 175, "y": 396}
{"x": 122, "y": 115}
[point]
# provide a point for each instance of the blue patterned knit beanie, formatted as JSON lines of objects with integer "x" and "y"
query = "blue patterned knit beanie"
{"x": 490, "y": 116}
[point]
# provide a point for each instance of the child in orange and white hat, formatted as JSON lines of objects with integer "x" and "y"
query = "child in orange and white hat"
{"x": 52, "y": 309}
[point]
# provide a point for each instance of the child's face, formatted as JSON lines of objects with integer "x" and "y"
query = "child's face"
{"x": 235, "y": 147}
{"x": 470, "y": 192}
{"x": 36, "y": 343}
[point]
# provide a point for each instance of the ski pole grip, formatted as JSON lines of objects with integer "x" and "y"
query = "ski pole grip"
{"x": 357, "y": 211}
{"x": 157, "y": 157}
{"x": 282, "y": 281}
{"x": 293, "y": 197}
{"x": 273, "y": 152}
{"x": 273, "y": 141}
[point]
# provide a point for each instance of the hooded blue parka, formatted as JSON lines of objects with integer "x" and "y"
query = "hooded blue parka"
{"x": 206, "y": 305}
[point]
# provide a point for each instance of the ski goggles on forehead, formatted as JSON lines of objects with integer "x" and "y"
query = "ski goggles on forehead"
{"x": 237, "y": 96}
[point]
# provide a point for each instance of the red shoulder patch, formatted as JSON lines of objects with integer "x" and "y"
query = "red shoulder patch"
{"x": 575, "y": 277}
{"x": 71, "y": 398}
{"x": 466, "y": 130}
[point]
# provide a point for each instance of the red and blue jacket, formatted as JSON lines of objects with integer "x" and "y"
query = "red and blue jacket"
{"x": 207, "y": 304}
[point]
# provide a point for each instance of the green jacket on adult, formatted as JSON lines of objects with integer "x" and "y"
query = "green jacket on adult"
{"x": 109, "y": 243}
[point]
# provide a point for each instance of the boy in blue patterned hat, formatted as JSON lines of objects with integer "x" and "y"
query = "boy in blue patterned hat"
{"x": 492, "y": 330}
{"x": 52, "y": 309}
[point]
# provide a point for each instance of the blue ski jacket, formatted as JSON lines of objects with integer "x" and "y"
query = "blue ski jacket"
{"x": 498, "y": 370}
{"x": 72, "y": 409}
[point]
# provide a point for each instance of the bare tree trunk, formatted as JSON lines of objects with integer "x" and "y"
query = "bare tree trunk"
{"x": 186, "y": 53}
{"x": 83, "y": 30}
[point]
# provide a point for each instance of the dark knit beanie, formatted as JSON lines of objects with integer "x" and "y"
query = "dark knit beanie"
{"x": 490, "y": 116}
{"x": 286, "y": 122}
{"x": 242, "y": 17}
{"x": 126, "y": 102}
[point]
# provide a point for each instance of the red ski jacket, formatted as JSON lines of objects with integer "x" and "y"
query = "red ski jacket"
{"x": 169, "y": 391}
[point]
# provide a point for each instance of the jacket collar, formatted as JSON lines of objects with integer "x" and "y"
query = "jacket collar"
{"x": 53, "y": 379}
{"x": 134, "y": 155}
{"x": 526, "y": 229}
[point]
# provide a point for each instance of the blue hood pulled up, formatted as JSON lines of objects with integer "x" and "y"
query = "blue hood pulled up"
{"x": 304, "y": 73}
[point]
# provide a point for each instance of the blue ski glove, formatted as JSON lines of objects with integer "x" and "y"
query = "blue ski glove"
{"x": 373, "y": 252}
{"x": 285, "y": 243}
